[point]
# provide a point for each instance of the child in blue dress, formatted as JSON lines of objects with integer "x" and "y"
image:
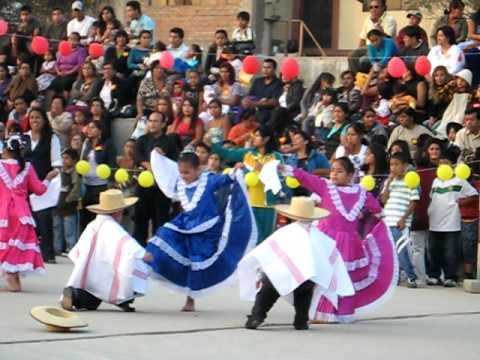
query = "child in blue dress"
{"x": 200, "y": 249}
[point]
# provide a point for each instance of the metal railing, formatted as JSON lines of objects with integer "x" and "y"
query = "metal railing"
{"x": 303, "y": 28}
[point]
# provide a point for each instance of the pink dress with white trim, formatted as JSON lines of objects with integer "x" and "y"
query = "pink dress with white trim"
{"x": 371, "y": 262}
{"x": 19, "y": 246}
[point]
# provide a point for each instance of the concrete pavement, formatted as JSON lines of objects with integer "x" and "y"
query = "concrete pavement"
{"x": 436, "y": 323}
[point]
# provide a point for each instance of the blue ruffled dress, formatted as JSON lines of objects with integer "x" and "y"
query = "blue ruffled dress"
{"x": 201, "y": 247}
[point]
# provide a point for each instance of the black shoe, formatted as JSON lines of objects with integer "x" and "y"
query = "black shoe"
{"x": 67, "y": 299}
{"x": 126, "y": 307}
{"x": 301, "y": 326}
{"x": 252, "y": 323}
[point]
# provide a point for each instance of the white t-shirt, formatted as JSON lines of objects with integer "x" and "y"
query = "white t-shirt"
{"x": 357, "y": 159}
{"x": 179, "y": 52}
{"x": 443, "y": 212}
{"x": 453, "y": 60}
{"x": 106, "y": 94}
{"x": 81, "y": 27}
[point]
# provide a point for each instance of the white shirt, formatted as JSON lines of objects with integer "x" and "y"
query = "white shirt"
{"x": 386, "y": 22}
{"x": 179, "y": 52}
{"x": 106, "y": 94}
{"x": 357, "y": 159}
{"x": 55, "y": 149}
{"x": 443, "y": 212}
{"x": 81, "y": 27}
{"x": 453, "y": 60}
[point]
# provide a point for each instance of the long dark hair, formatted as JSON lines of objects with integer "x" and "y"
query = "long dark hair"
{"x": 103, "y": 25}
{"x": 169, "y": 115}
{"x": 47, "y": 132}
{"x": 231, "y": 72}
{"x": 15, "y": 148}
{"x": 195, "y": 120}
{"x": 270, "y": 145}
{"x": 403, "y": 145}
{"x": 381, "y": 163}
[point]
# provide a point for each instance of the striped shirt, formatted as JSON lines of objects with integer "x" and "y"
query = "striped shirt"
{"x": 398, "y": 202}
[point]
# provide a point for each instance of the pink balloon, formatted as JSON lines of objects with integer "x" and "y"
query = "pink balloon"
{"x": 167, "y": 61}
{"x": 423, "y": 66}
{"x": 64, "y": 48}
{"x": 95, "y": 50}
{"x": 3, "y": 27}
{"x": 396, "y": 67}
{"x": 290, "y": 69}
{"x": 39, "y": 45}
{"x": 251, "y": 64}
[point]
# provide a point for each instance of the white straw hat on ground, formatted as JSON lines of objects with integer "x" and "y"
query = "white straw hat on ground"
{"x": 302, "y": 208}
{"x": 57, "y": 319}
{"x": 112, "y": 201}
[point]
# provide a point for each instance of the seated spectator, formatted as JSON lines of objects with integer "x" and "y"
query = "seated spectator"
{"x": 113, "y": 90}
{"x": 165, "y": 107}
{"x": 99, "y": 114}
{"x": 60, "y": 120}
{"x": 292, "y": 96}
{"x": 176, "y": 46}
{"x": 68, "y": 66}
{"x": 374, "y": 131}
{"x": 401, "y": 100}
{"x": 23, "y": 85}
{"x": 468, "y": 138}
{"x": 414, "y": 19}
{"x": 265, "y": 91}
{"x": 378, "y": 19}
{"x": 408, "y": 130}
{"x": 80, "y": 122}
{"x": 242, "y": 133}
{"x": 188, "y": 125}
{"x": 150, "y": 89}
{"x": 86, "y": 87}
{"x": 227, "y": 90}
{"x": 381, "y": 49}
{"x": 454, "y": 19}
{"x": 340, "y": 122}
{"x": 348, "y": 93}
{"x": 16, "y": 50}
{"x": 320, "y": 118}
{"x": 138, "y": 22}
{"x": 28, "y": 25}
{"x": 57, "y": 28}
{"x": 446, "y": 52}
{"x": 76, "y": 142}
{"x": 243, "y": 37}
{"x": 314, "y": 94}
{"x": 417, "y": 87}
{"x": 194, "y": 88}
{"x": 471, "y": 46}
{"x": 80, "y": 22}
{"x": 214, "y": 54}
{"x": 19, "y": 115}
{"x": 118, "y": 54}
{"x": 5, "y": 80}
{"x": 440, "y": 93}
{"x": 229, "y": 55}
{"x": 108, "y": 26}
{"x": 191, "y": 61}
{"x": 413, "y": 44}
{"x": 218, "y": 127}
{"x": 138, "y": 54}
{"x": 47, "y": 71}
{"x": 353, "y": 147}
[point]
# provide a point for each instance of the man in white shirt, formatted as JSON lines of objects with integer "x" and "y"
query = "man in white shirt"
{"x": 80, "y": 22}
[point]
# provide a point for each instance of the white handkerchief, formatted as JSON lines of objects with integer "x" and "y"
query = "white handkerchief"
{"x": 49, "y": 198}
{"x": 269, "y": 177}
{"x": 165, "y": 172}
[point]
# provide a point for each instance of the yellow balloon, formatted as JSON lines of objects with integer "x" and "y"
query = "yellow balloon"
{"x": 368, "y": 182}
{"x": 146, "y": 179}
{"x": 292, "y": 182}
{"x": 252, "y": 179}
{"x": 463, "y": 171}
{"x": 103, "y": 171}
{"x": 82, "y": 167}
{"x": 121, "y": 176}
{"x": 444, "y": 172}
{"x": 412, "y": 179}
{"x": 227, "y": 171}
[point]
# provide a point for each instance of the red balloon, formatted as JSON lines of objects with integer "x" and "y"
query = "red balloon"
{"x": 251, "y": 64}
{"x": 95, "y": 50}
{"x": 64, "y": 48}
{"x": 166, "y": 60}
{"x": 396, "y": 67}
{"x": 3, "y": 27}
{"x": 423, "y": 66}
{"x": 290, "y": 69}
{"x": 39, "y": 45}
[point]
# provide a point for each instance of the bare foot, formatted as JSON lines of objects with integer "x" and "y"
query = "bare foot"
{"x": 13, "y": 282}
{"x": 189, "y": 305}
{"x": 148, "y": 257}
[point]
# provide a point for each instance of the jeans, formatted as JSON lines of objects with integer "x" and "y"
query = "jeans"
{"x": 65, "y": 232}
{"x": 469, "y": 242}
{"x": 442, "y": 253}
{"x": 403, "y": 256}
{"x": 418, "y": 250}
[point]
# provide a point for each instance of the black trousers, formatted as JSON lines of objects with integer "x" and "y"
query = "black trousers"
{"x": 442, "y": 254}
{"x": 152, "y": 206}
{"x": 83, "y": 300}
{"x": 92, "y": 196}
{"x": 268, "y": 295}
{"x": 44, "y": 222}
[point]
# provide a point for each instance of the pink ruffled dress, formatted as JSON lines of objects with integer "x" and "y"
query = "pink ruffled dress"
{"x": 371, "y": 262}
{"x": 19, "y": 246}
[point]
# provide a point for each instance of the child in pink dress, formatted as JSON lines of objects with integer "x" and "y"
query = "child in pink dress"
{"x": 19, "y": 248}
{"x": 371, "y": 262}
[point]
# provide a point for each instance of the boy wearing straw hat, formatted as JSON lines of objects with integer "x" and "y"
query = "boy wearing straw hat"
{"x": 297, "y": 261}
{"x": 108, "y": 261}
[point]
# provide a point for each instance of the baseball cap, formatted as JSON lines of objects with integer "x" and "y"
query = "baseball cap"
{"x": 417, "y": 14}
{"x": 77, "y": 5}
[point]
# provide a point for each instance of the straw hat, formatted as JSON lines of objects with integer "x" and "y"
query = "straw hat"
{"x": 302, "y": 208}
{"x": 57, "y": 319}
{"x": 112, "y": 201}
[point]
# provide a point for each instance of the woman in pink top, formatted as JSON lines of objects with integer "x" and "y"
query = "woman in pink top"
{"x": 19, "y": 249}
{"x": 371, "y": 262}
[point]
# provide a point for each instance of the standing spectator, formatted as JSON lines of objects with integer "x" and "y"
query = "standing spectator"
{"x": 413, "y": 44}
{"x": 118, "y": 54}
{"x": 176, "y": 46}
{"x": 214, "y": 55}
{"x": 414, "y": 20}
{"x": 108, "y": 25}
{"x": 138, "y": 22}
{"x": 65, "y": 219}
{"x": 445, "y": 226}
{"x": 348, "y": 93}
{"x": 57, "y": 29}
{"x": 243, "y": 37}
{"x": 378, "y": 19}
{"x": 44, "y": 152}
{"x": 468, "y": 138}
{"x": 376, "y": 165}
{"x": 153, "y": 206}
{"x": 454, "y": 19}
{"x": 381, "y": 49}
{"x": 446, "y": 52}
{"x": 60, "y": 120}
{"x": 28, "y": 25}
{"x": 265, "y": 91}
{"x": 80, "y": 22}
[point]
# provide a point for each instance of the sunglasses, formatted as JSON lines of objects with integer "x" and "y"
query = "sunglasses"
{"x": 374, "y": 7}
